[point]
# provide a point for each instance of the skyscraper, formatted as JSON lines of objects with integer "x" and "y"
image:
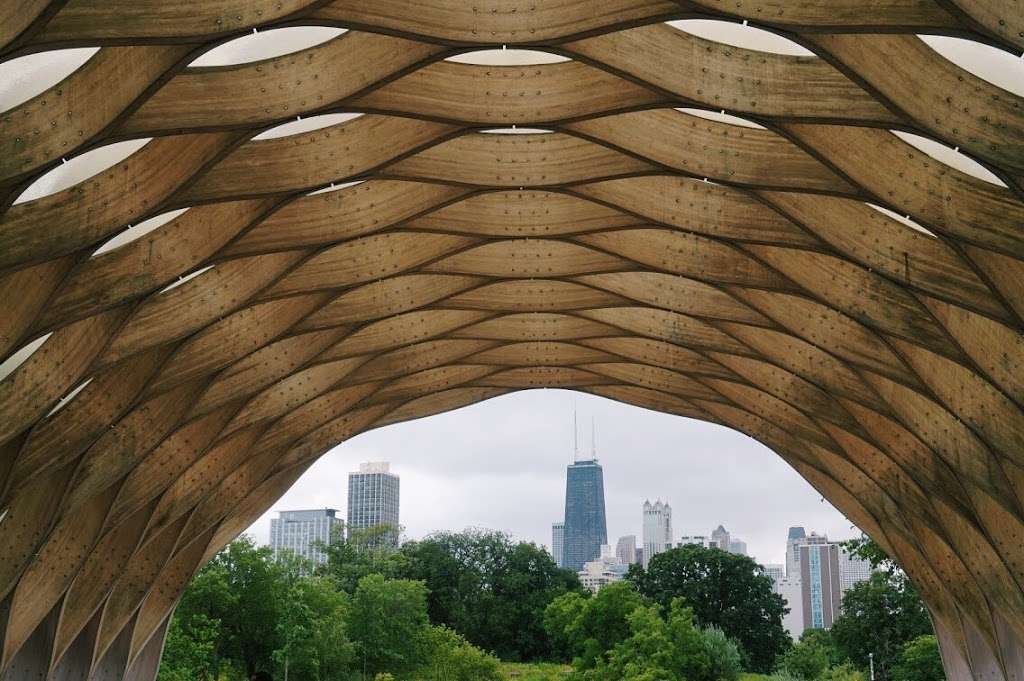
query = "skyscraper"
{"x": 373, "y": 502}
{"x": 793, "y": 541}
{"x": 721, "y": 538}
{"x": 818, "y": 573}
{"x": 558, "y": 543}
{"x": 585, "y": 526}
{"x": 774, "y": 571}
{"x": 625, "y": 549}
{"x": 657, "y": 529}
{"x": 793, "y": 621}
{"x": 819, "y": 583}
{"x": 851, "y": 569}
{"x": 296, "y": 531}
{"x": 789, "y": 589}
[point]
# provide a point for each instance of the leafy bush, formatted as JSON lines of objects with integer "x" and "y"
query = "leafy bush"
{"x": 452, "y": 658}
{"x": 919, "y": 661}
{"x": 724, "y": 654}
{"x": 668, "y": 649}
{"x": 806, "y": 660}
{"x": 843, "y": 672}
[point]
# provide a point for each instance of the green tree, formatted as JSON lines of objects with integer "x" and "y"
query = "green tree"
{"x": 588, "y": 628}
{"x": 879, "y": 616}
{"x": 452, "y": 658}
{"x": 724, "y": 654}
{"x": 227, "y": 617}
{"x": 807, "y": 660}
{"x": 822, "y": 638}
{"x": 668, "y": 649}
{"x": 315, "y": 645}
{"x": 190, "y": 651}
{"x": 723, "y": 589}
{"x": 387, "y": 622}
{"x": 842, "y": 672}
{"x": 560, "y": 619}
{"x": 350, "y": 558}
{"x": 249, "y": 623}
{"x": 490, "y": 589}
{"x": 919, "y": 661}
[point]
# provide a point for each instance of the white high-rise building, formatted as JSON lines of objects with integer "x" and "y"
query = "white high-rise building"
{"x": 852, "y": 569}
{"x": 298, "y": 531}
{"x": 738, "y": 546}
{"x": 790, "y": 590}
{"x": 657, "y": 529}
{"x": 558, "y": 543}
{"x": 775, "y": 571}
{"x": 373, "y": 502}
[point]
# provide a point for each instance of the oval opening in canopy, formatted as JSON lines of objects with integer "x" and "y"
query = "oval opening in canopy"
{"x": 267, "y": 45}
{"x": 64, "y": 401}
{"x": 505, "y": 57}
{"x": 721, "y": 117}
{"x": 949, "y": 156}
{"x": 335, "y": 187}
{"x": 516, "y": 131}
{"x": 741, "y": 35}
{"x": 19, "y": 357}
{"x": 134, "y": 232}
{"x": 23, "y": 78}
{"x": 80, "y": 168}
{"x": 998, "y": 67}
{"x": 302, "y": 125}
{"x": 903, "y": 219}
{"x": 181, "y": 280}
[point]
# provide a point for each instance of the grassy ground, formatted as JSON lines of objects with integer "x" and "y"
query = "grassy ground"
{"x": 534, "y": 672}
{"x": 750, "y": 676}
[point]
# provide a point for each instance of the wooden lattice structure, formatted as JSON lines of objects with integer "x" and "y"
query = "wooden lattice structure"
{"x": 726, "y": 273}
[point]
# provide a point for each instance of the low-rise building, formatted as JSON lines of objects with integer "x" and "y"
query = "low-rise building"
{"x": 603, "y": 571}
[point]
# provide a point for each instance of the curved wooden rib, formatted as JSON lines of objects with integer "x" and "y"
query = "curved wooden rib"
{"x": 742, "y": 275}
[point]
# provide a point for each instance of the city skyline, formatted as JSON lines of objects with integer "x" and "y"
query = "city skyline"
{"x": 517, "y": 447}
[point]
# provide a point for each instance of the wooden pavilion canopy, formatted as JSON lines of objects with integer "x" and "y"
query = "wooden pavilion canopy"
{"x": 734, "y": 274}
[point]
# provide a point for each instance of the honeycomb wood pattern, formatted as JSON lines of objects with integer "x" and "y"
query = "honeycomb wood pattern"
{"x": 635, "y": 251}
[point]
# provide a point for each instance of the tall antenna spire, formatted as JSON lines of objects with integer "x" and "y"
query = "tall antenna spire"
{"x": 593, "y": 439}
{"x": 575, "y": 434}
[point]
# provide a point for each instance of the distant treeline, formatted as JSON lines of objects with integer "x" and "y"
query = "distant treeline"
{"x": 449, "y": 607}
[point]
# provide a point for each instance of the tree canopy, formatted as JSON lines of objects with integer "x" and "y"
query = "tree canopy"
{"x": 489, "y": 588}
{"x": 245, "y": 612}
{"x": 879, "y": 616}
{"x": 722, "y": 589}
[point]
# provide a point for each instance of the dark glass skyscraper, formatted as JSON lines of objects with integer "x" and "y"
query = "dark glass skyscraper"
{"x": 585, "y": 527}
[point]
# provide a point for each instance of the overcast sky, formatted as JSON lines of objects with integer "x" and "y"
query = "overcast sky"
{"x": 501, "y": 464}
